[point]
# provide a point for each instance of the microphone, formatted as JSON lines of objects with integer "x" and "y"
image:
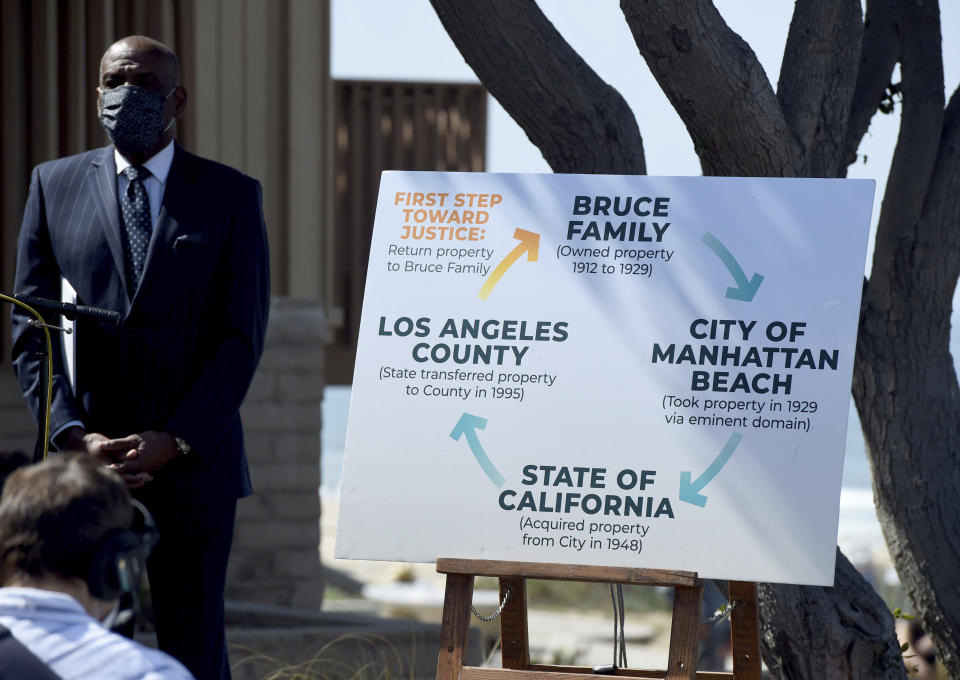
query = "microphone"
{"x": 69, "y": 310}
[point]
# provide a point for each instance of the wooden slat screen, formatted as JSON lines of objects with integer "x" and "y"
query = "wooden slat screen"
{"x": 386, "y": 126}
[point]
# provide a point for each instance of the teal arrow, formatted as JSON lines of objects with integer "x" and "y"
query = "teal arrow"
{"x": 467, "y": 426}
{"x": 690, "y": 491}
{"x": 745, "y": 289}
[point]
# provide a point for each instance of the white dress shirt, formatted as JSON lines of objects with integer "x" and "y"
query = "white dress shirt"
{"x": 159, "y": 167}
{"x": 59, "y": 632}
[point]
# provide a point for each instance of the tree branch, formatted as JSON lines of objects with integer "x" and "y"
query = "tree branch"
{"x": 938, "y": 234}
{"x": 579, "y": 122}
{"x": 921, "y": 123}
{"x": 878, "y": 55}
{"x": 817, "y": 79}
{"x": 906, "y": 390}
{"x": 716, "y": 84}
{"x": 905, "y": 383}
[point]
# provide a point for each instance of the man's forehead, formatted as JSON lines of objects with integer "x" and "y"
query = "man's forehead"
{"x": 131, "y": 57}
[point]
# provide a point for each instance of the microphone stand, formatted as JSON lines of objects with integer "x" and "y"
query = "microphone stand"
{"x": 71, "y": 312}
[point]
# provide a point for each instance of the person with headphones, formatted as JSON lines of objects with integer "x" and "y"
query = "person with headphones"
{"x": 68, "y": 551}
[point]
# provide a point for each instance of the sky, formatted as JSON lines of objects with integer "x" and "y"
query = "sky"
{"x": 404, "y": 40}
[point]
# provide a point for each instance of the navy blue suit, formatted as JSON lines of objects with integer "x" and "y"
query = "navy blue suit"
{"x": 180, "y": 361}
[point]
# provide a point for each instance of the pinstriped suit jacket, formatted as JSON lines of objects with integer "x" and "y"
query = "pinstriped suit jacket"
{"x": 192, "y": 333}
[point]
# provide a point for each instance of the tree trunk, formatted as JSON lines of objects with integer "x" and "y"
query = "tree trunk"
{"x": 799, "y": 637}
{"x": 906, "y": 391}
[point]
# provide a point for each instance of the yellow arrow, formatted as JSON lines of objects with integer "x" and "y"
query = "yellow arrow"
{"x": 529, "y": 244}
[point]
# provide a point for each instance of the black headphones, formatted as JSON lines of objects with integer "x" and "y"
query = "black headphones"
{"x": 120, "y": 557}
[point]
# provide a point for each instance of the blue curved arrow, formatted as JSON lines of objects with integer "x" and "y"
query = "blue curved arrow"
{"x": 467, "y": 426}
{"x": 745, "y": 290}
{"x": 690, "y": 491}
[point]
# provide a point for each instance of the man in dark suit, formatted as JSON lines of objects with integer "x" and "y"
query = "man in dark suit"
{"x": 177, "y": 245}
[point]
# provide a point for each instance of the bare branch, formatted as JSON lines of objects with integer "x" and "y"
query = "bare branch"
{"x": 878, "y": 55}
{"x": 817, "y": 79}
{"x": 921, "y": 123}
{"x": 717, "y": 85}
{"x": 938, "y": 236}
{"x": 579, "y": 122}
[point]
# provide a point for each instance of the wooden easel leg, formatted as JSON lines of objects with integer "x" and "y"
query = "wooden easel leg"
{"x": 514, "y": 640}
{"x": 454, "y": 626}
{"x": 685, "y": 633}
{"x": 745, "y": 631}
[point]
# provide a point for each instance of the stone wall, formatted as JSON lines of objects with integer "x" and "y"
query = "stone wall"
{"x": 275, "y": 558}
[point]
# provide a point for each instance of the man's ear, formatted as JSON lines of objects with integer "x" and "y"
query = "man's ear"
{"x": 180, "y": 97}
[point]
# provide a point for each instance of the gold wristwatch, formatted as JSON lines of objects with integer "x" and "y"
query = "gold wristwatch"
{"x": 182, "y": 446}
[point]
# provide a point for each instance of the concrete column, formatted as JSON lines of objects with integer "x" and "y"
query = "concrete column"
{"x": 276, "y": 558}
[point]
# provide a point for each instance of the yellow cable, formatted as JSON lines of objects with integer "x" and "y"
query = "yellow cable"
{"x": 46, "y": 334}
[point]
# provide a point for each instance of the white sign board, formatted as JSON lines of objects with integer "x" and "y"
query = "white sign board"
{"x": 611, "y": 370}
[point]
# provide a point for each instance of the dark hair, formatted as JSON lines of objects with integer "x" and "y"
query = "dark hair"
{"x": 53, "y": 513}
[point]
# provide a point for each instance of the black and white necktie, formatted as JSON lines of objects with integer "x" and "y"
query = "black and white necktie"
{"x": 137, "y": 223}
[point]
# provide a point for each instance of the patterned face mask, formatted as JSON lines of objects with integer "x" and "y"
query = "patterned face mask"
{"x": 133, "y": 117}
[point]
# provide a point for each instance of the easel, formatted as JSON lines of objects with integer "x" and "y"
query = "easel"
{"x": 684, "y": 632}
